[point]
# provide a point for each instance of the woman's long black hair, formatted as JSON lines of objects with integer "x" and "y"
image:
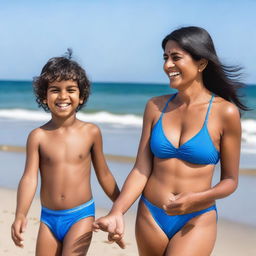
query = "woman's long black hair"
{"x": 220, "y": 79}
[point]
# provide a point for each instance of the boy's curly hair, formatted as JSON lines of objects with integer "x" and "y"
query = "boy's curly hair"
{"x": 59, "y": 69}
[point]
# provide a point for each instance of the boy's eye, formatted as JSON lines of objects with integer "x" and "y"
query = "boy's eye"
{"x": 54, "y": 90}
{"x": 72, "y": 90}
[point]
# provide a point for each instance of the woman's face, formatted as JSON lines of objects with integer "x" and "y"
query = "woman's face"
{"x": 180, "y": 67}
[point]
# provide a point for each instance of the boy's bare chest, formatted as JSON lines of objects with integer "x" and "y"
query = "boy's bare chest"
{"x": 65, "y": 149}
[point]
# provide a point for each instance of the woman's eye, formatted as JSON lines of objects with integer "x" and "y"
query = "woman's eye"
{"x": 175, "y": 58}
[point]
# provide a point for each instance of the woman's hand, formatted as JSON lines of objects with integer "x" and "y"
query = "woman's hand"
{"x": 114, "y": 225}
{"x": 181, "y": 203}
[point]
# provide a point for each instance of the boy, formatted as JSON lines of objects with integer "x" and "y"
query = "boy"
{"x": 62, "y": 150}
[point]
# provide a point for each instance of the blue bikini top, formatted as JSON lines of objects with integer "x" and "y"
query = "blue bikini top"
{"x": 197, "y": 150}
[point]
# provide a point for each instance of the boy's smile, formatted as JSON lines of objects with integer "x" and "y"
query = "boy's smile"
{"x": 63, "y": 97}
{"x": 63, "y": 106}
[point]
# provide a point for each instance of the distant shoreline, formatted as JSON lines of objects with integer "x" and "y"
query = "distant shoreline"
{"x": 114, "y": 158}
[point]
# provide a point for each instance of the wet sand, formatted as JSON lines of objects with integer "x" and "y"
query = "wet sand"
{"x": 234, "y": 238}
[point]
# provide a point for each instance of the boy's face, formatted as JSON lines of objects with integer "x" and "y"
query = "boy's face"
{"x": 63, "y": 97}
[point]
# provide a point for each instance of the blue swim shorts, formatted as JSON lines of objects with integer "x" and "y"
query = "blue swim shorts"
{"x": 60, "y": 221}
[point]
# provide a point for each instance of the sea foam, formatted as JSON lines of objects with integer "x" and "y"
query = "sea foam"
{"x": 98, "y": 117}
{"x": 127, "y": 120}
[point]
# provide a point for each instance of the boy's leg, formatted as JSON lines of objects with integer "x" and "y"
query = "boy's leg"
{"x": 78, "y": 238}
{"x": 46, "y": 243}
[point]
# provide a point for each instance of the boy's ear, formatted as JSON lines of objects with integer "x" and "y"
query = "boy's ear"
{"x": 202, "y": 65}
{"x": 44, "y": 101}
{"x": 81, "y": 101}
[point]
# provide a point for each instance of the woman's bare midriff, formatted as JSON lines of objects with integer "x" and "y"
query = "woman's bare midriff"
{"x": 173, "y": 176}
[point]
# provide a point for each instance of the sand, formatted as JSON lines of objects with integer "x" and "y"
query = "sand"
{"x": 233, "y": 238}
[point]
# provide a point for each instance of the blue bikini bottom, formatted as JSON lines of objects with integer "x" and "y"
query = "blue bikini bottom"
{"x": 171, "y": 224}
{"x": 60, "y": 221}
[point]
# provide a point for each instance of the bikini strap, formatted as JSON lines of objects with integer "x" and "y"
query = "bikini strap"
{"x": 209, "y": 108}
{"x": 166, "y": 105}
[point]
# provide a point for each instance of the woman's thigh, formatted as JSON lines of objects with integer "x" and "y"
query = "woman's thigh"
{"x": 196, "y": 238}
{"x": 78, "y": 238}
{"x": 47, "y": 244}
{"x": 151, "y": 240}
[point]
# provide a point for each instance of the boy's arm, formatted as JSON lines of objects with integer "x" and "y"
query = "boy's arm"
{"x": 104, "y": 175}
{"x": 27, "y": 187}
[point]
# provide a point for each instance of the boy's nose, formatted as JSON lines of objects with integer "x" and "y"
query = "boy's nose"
{"x": 62, "y": 95}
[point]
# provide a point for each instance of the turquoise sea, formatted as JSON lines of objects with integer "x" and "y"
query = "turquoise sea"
{"x": 114, "y": 98}
{"x": 119, "y": 105}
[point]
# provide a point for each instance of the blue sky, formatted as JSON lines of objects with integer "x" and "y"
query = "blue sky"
{"x": 117, "y": 40}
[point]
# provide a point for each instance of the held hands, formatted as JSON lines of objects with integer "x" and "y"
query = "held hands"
{"x": 114, "y": 225}
{"x": 17, "y": 229}
{"x": 180, "y": 204}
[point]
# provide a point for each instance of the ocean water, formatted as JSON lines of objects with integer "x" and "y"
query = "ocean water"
{"x": 114, "y": 98}
{"x": 111, "y": 105}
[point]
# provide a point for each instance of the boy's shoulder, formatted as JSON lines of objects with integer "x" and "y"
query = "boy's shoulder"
{"x": 36, "y": 132}
{"x": 91, "y": 128}
{"x": 36, "y": 135}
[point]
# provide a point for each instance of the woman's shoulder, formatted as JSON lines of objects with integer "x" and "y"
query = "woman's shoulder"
{"x": 227, "y": 109}
{"x": 159, "y": 101}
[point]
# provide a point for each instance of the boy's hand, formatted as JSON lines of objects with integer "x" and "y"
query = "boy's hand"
{"x": 118, "y": 239}
{"x": 18, "y": 227}
{"x": 114, "y": 225}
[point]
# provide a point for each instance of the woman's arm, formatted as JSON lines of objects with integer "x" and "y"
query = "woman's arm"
{"x": 133, "y": 186}
{"x": 137, "y": 179}
{"x": 27, "y": 187}
{"x": 230, "y": 157}
{"x": 104, "y": 175}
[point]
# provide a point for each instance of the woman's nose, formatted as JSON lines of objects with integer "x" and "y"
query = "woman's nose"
{"x": 169, "y": 63}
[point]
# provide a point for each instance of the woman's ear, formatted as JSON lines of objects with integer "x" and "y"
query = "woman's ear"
{"x": 202, "y": 65}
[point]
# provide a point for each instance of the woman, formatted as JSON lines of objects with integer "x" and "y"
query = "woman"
{"x": 184, "y": 135}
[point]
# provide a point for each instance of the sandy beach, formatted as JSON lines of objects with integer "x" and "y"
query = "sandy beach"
{"x": 233, "y": 238}
{"x": 237, "y": 219}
